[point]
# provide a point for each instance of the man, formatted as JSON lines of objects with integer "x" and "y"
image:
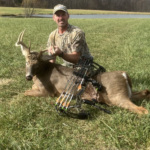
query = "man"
{"x": 66, "y": 41}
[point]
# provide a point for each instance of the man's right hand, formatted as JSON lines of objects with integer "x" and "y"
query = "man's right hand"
{"x": 51, "y": 50}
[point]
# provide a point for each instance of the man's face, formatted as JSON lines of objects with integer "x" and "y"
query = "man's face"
{"x": 61, "y": 18}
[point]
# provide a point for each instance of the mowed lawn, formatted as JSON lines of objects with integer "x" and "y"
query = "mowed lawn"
{"x": 32, "y": 123}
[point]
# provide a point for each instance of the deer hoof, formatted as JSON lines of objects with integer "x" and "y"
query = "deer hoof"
{"x": 142, "y": 110}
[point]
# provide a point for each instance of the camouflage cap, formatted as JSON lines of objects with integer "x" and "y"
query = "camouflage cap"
{"x": 60, "y": 7}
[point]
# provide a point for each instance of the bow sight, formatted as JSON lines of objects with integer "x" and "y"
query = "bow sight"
{"x": 84, "y": 72}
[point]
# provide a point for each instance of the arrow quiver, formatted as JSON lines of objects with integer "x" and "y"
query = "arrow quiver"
{"x": 84, "y": 72}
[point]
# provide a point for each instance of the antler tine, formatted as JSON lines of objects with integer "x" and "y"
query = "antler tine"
{"x": 20, "y": 38}
{"x": 29, "y": 46}
{"x": 41, "y": 52}
{"x": 45, "y": 57}
{"x": 25, "y": 50}
{"x": 44, "y": 50}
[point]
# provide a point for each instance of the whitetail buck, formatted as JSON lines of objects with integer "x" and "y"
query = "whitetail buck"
{"x": 50, "y": 79}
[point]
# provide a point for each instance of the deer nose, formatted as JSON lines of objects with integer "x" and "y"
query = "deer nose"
{"x": 29, "y": 78}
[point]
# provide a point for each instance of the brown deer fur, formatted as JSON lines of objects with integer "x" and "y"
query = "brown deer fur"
{"x": 50, "y": 79}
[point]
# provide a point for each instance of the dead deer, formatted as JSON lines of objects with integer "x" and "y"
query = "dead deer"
{"x": 50, "y": 79}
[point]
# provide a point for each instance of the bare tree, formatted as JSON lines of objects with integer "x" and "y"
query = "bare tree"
{"x": 29, "y": 7}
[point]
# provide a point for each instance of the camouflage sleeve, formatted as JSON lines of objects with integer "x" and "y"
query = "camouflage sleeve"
{"x": 50, "y": 40}
{"x": 79, "y": 43}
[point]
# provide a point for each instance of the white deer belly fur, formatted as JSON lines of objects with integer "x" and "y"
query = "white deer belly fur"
{"x": 128, "y": 87}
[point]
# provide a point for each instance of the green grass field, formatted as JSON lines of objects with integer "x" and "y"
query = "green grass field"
{"x": 32, "y": 123}
{"x": 17, "y": 11}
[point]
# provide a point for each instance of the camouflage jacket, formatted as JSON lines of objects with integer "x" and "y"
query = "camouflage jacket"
{"x": 72, "y": 40}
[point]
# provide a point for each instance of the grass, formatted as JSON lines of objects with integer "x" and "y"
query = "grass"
{"x": 18, "y": 11}
{"x": 32, "y": 123}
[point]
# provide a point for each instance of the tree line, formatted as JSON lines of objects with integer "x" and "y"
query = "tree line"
{"x": 118, "y": 5}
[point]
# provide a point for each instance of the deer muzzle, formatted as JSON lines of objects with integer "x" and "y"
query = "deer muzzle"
{"x": 29, "y": 78}
{"x": 29, "y": 74}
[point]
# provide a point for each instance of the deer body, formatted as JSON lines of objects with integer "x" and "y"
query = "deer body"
{"x": 50, "y": 80}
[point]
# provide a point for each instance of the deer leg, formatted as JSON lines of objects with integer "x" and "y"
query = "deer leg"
{"x": 35, "y": 92}
{"x": 89, "y": 93}
{"x": 127, "y": 104}
{"x": 37, "y": 89}
{"x": 34, "y": 87}
{"x": 145, "y": 94}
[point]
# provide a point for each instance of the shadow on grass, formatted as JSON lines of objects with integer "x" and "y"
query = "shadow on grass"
{"x": 87, "y": 112}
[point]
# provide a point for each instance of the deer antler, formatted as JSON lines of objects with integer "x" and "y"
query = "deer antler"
{"x": 41, "y": 52}
{"x": 25, "y": 50}
{"x": 45, "y": 57}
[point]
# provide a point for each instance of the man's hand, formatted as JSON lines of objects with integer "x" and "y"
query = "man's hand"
{"x": 73, "y": 57}
{"x": 57, "y": 50}
{"x": 54, "y": 50}
{"x": 51, "y": 50}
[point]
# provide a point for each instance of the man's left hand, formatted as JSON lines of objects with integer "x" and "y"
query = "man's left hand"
{"x": 57, "y": 51}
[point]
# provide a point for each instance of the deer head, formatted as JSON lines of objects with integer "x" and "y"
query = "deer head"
{"x": 33, "y": 59}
